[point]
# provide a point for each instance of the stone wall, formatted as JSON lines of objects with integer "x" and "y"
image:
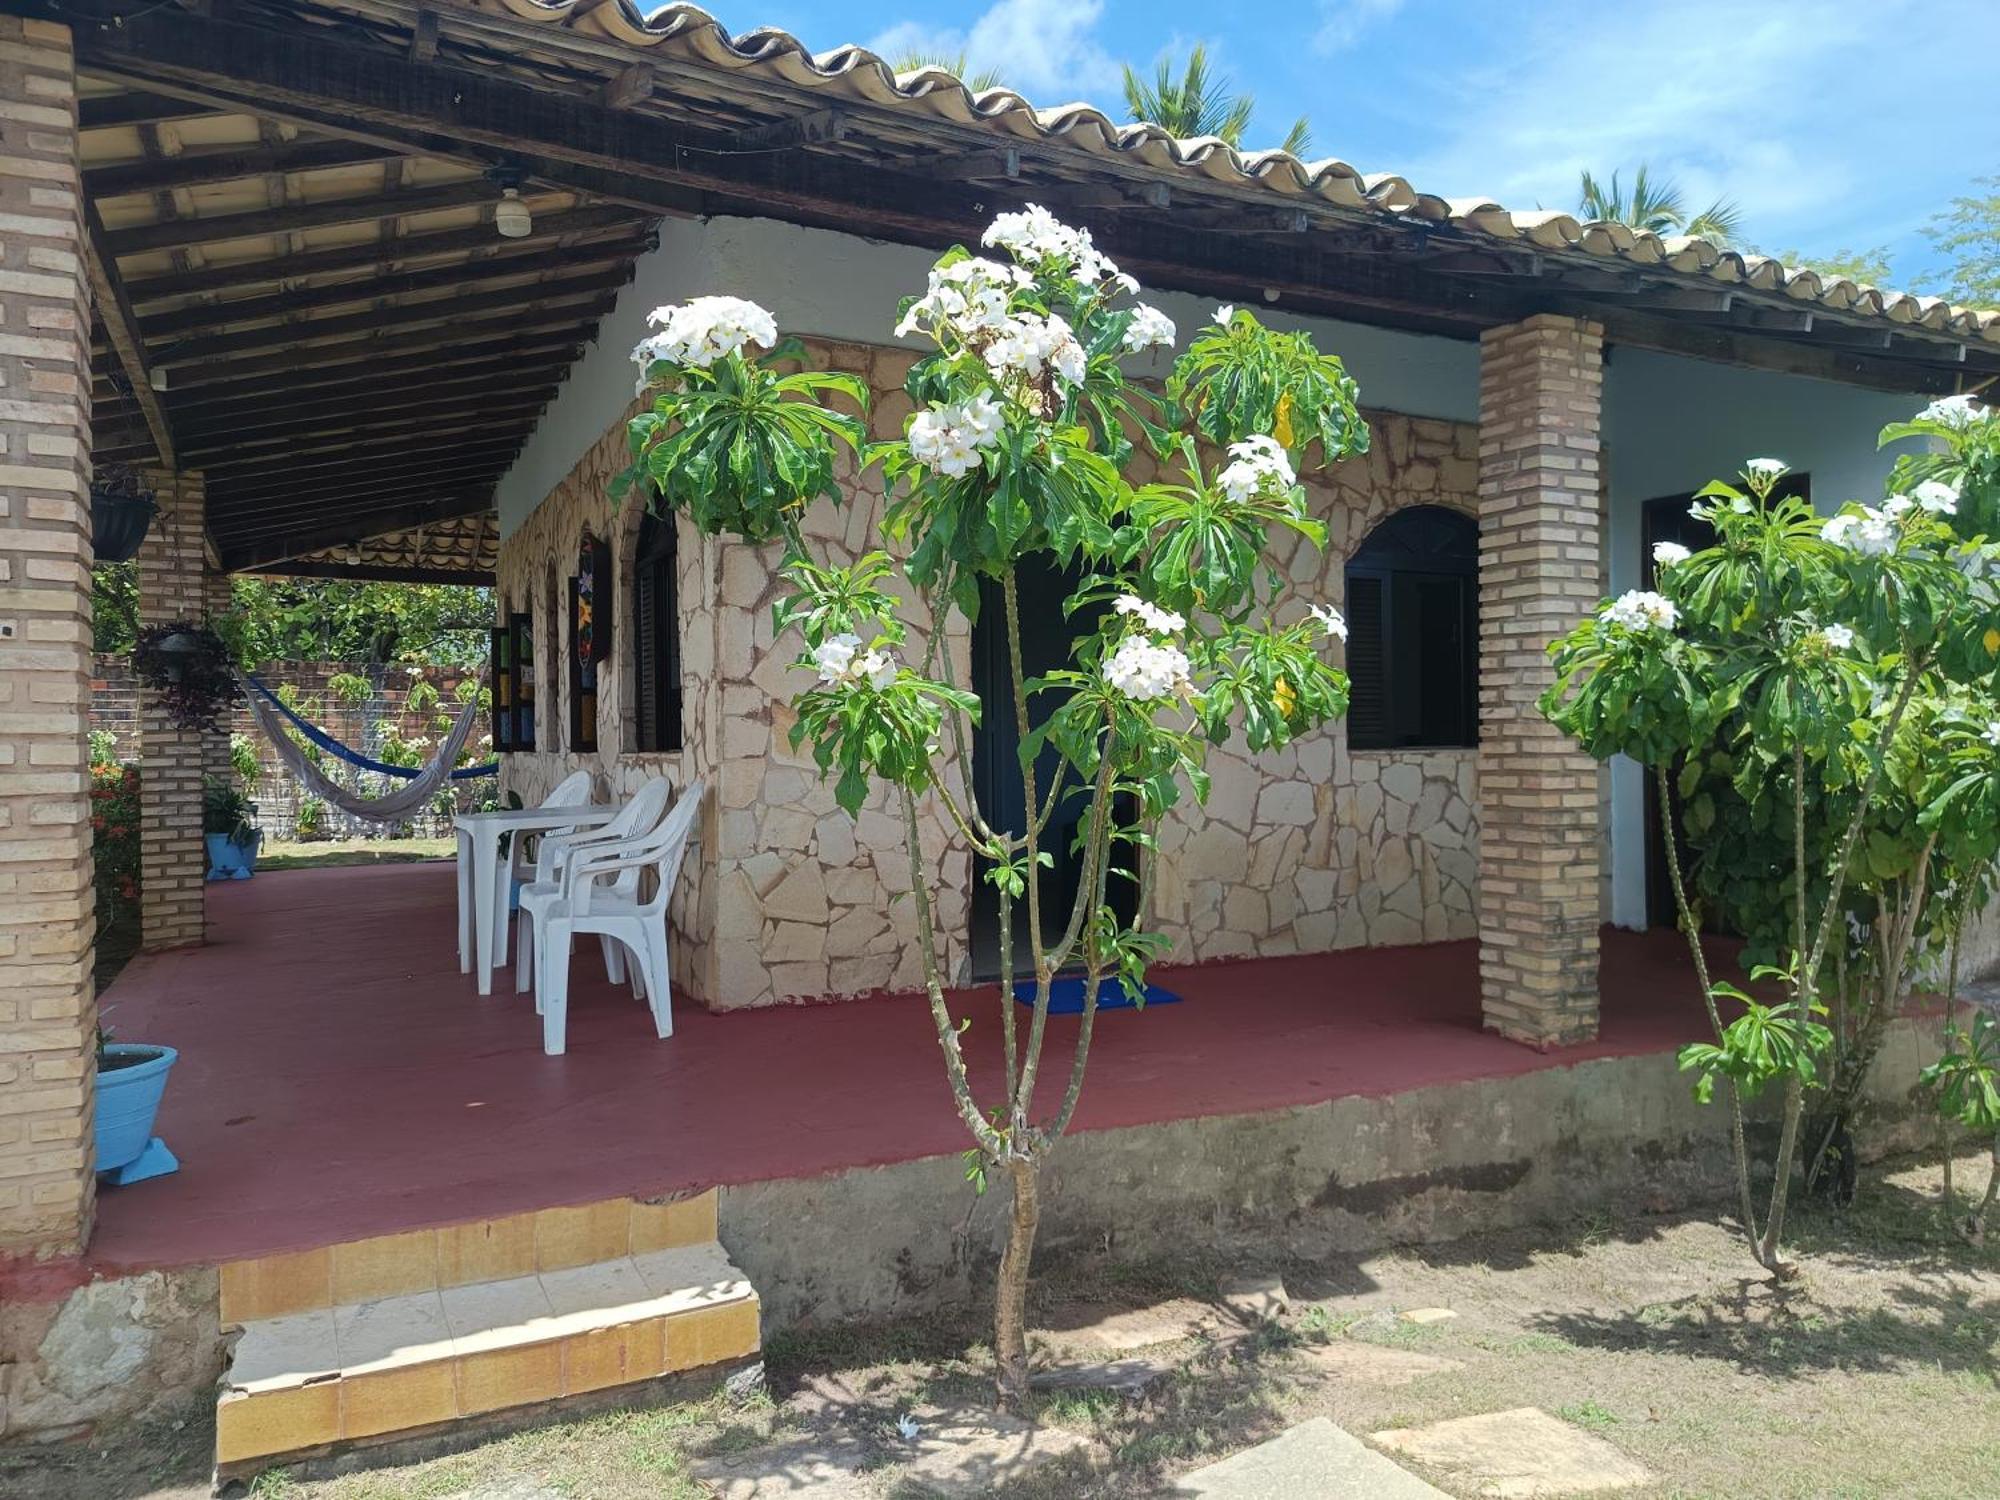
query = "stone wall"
{"x": 1305, "y": 850}
{"x": 1316, "y": 847}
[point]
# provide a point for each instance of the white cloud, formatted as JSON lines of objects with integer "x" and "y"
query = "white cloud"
{"x": 1806, "y": 113}
{"x": 1343, "y": 22}
{"x": 1047, "y": 49}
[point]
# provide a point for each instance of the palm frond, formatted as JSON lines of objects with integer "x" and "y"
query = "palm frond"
{"x": 1299, "y": 139}
{"x": 1656, "y": 204}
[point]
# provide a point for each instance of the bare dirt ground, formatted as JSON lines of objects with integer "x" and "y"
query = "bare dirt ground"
{"x": 1876, "y": 1374}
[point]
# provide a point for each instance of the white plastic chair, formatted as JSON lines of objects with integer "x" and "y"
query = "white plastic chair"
{"x": 639, "y": 816}
{"x": 585, "y": 902}
{"x": 572, "y": 791}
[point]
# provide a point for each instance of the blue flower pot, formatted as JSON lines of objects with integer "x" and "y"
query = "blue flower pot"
{"x": 230, "y": 860}
{"x": 127, "y": 1100}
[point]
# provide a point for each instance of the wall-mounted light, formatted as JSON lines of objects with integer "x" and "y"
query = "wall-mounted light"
{"x": 510, "y": 215}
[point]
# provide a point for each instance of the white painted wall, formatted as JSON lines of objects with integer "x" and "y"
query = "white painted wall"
{"x": 839, "y": 286}
{"x": 1671, "y": 424}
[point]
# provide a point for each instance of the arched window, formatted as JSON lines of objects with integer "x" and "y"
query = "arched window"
{"x": 1413, "y": 632}
{"x": 656, "y": 636}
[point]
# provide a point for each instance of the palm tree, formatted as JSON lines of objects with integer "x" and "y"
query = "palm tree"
{"x": 1199, "y": 103}
{"x": 954, "y": 63}
{"x": 1659, "y": 206}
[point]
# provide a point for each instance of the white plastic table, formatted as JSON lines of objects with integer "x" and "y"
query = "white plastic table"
{"x": 479, "y": 870}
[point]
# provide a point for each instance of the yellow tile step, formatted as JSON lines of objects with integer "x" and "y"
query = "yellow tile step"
{"x": 418, "y": 1359}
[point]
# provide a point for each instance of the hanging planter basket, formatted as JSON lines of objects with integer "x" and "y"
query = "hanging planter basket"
{"x": 121, "y": 513}
{"x": 187, "y": 666}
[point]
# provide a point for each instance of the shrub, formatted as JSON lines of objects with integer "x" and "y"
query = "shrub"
{"x": 114, "y": 825}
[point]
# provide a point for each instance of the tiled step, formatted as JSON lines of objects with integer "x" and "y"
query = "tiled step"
{"x": 375, "y": 1339}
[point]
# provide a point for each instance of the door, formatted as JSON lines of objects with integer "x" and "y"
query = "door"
{"x": 1046, "y": 634}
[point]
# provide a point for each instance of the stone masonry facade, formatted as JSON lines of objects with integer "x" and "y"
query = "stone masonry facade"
{"x": 1540, "y": 571}
{"x": 173, "y": 586}
{"x": 48, "y": 1014}
{"x": 788, "y": 898}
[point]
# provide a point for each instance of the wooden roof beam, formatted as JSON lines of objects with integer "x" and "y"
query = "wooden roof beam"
{"x": 215, "y": 317}
{"x": 378, "y": 572}
{"x": 430, "y": 347}
{"x": 577, "y": 227}
{"x": 591, "y": 294}
{"x": 204, "y": 169}
{"x": 114, "y": 310}
{"x": 172, "y": 234}
{"x": 503, "y": 409}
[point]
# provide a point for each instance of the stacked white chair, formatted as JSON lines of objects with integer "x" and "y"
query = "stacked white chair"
{"x": 640, "y": 815}
{"x": 600, "y": 891}
{"x": 572, "y": 791}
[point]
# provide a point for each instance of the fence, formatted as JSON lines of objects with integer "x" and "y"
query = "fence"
{"x": 367, "y": 705}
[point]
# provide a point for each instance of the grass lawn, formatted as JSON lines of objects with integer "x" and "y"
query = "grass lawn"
{"x": 280, "y": 856}
{"x": 1874, "y": 1375}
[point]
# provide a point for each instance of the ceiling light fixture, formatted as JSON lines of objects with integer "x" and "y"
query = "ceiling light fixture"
{"x": 510, "y": 215}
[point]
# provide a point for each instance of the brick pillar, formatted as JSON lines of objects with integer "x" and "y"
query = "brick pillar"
{"x": 1539, "y": 850}
{"x": 48, "y": 1011}
{"x": 172, "y": 861}
{"x": 215, "y": 745}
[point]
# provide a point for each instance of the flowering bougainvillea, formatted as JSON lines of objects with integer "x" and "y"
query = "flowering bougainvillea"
{"x": 114, "y": 841}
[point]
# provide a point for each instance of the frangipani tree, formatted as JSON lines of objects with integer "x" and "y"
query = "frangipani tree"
{"x": 1823, "y": 690}
{"x": 1023, "y": 429}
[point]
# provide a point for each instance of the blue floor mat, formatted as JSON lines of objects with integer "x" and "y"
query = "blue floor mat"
{"x": 1066, "y": 995}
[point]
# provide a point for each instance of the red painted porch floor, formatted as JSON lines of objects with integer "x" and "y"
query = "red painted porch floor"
{"x": 339, "y": 1078}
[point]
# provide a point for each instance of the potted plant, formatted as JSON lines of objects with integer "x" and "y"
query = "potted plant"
{"x": 231, "y": 836}
{"x": 131, "y": 1078}
{"x": 188, "y": 668}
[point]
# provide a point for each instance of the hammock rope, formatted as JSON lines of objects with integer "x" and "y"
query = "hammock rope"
{"x": 417, "y": 788}
{"x": 352, "y": 756}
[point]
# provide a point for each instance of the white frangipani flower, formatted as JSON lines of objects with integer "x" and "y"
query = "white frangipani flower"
{"x": 1224, "y": 313}
{"x": 1330, "y": 619}
{"x": 1037, "y": 238}
{"x": 842, "y": 663}
{"x": 1641, "y": 610}
{"x": 1840, "y": 637}
{"x": 1937, "y": 497}
{"x": 1150, "y": 328}
{"x": 949, "y": 439}
{"x": 1029, "y": 343}
{"x": 1667, "y": 554}
{"x": 1767, "y": 468}
{"x": 1150, "y": 615}
{"x": 1955, "y": 411}
{"x": 1992, "y": 735}
{"x": 969, "y": 297}
{"x": 1145, "y": 670}
{"x": 701, "y": 331}
{"x": 1871, "y": 533}
{"x": 1258, "y": 465}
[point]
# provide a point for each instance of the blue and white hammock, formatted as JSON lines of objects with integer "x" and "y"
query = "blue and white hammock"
{"x": 420, "y": 785}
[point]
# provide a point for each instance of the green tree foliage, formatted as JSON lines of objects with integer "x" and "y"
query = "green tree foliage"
{"x": 1191, "y": 100}
{"x": 320, "y": 619}
{"x": 1969, "y": 233}
{"x": 1869, "y": 267}
{"x": 1015, "y": 455}
{"x": 1656, "y": 204}
{"x": 1826, "y": 693}
{"x": 954, "y": 63}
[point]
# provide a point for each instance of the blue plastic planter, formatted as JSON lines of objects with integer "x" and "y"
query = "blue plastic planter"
{"x": 127, "y": 1100}
{"x": 229, "y": 860}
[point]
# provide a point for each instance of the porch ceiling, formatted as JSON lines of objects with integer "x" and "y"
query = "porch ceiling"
{"x": 293, "y": 232}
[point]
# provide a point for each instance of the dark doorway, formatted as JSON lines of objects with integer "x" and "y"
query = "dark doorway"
{"x": 1667, "y": 519}
{"x": 1046, "y": 635}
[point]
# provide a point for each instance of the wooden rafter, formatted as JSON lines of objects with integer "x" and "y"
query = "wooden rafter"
{"x": 114, "y": 310}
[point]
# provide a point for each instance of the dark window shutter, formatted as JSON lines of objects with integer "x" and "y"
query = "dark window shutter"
{"x": 656, "y": 660}
{"x": 1368, "y": 699}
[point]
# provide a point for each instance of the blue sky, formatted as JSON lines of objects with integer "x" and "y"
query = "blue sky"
{"x": 1834, "y": 123}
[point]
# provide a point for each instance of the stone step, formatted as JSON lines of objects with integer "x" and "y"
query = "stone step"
{"x": 382, "y": 1349}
